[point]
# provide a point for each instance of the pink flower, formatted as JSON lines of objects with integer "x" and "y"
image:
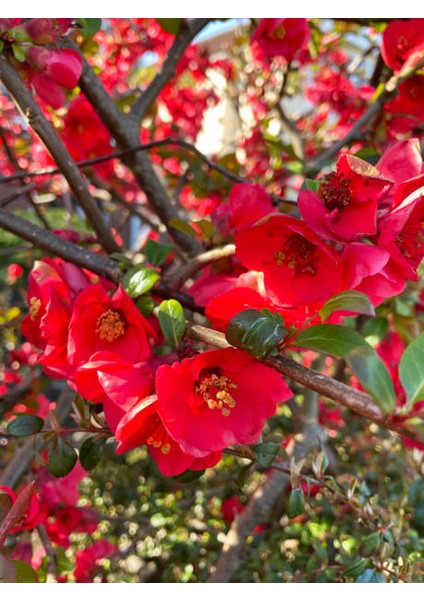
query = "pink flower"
{"x": 216, "y": 399}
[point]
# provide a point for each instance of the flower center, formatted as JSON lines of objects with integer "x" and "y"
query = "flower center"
{"x": 334, "y": 191}
{"x": 110, "y": 326}
{"x": 158, "y": 437}
{"x": 297, "y": 254}
{"x": 215, "y": 389}
{"x": 34, "y": 307}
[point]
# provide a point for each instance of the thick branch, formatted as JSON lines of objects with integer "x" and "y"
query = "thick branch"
{"x": 185, "y": 36}
{"x": 58, "y": 246}
{"x": 127, "y": 136}
{"x": 46, "y": 132}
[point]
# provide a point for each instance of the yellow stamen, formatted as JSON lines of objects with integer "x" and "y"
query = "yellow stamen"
{"x": 110, "y": 326}
{"x": 215, "y": 390}
{"x": 34, "y": 309}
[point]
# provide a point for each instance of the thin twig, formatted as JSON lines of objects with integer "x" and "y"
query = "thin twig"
{"x": 182, "y": 273}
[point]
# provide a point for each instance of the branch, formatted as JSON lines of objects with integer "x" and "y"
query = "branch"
{"x": 126, "y": 134}
{"x": 46, "y": 132}
{"x": 58, "y": 246}
{"x": 186, "y": 34}
{"x": 368, "y": 118}
{"x": 355, "y": 400}
{"x": 180, "y": 275}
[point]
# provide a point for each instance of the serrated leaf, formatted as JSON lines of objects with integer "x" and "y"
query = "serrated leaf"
{"x": 156, "y": 253}
{"x": 184, "y": 227}
{"x": 265, "y": 453}
{"x": 89, "y": 453}
{"x": 256, "y": 332}
{"x": 170, "y": 25}
{"x": 350, "y": 301}
{"x": 172, "y": 321}
{"x": 25, "y": 425}
{"x": 62, "y": 458}
{"x": 411, "y": 370}
{"x": 24, "y": 572}
{"x": 139, "y": 280}
{"x": 296, "y": 504}
{"x": 343, "y": 342}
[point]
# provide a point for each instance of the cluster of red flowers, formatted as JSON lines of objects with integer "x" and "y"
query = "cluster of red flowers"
{"x": 185, "y": 412}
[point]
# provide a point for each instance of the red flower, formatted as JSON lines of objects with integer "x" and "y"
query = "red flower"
{"x": 246, "y": 204}
{"x": 400, "y": 40}
{"x": 298, "y": 266}
{"x": 52, "y": 70}
{"x": 345, "y": 206}
{"x": 143, "y": 425}
{"x": 216, "y": 399}
{"x": 87, "y": 560}
{"x": 114, "y": 324}
{"x": 282, "y": 37}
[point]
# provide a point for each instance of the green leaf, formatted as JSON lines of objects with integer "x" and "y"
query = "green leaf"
{"x": 170, "y": 25}
{"x": 25, "y": 425}
{"x": 370, "y": 576}
{"x": 145, "y": 305}
{"x": 206, "y": 227}
{"x": 373, "y": 375}
{"x": 139, "y": 280}
{"x": 184, "y": 227}
{"x": 256, "y": 332}
{"x": 89, "y": 453}
{"x": 156, "y": 253}
{"x": 19, "y": 53}
{"x": 172, "y": 321}
{"x": 24, "y": 572}
{"x": 371, "y": 544}
{"x": 357, "y": 568}
{"x": 62, "y": 458}
{"x": 350, "y": 301}
{"x": 265, "y": 453}
{"x": 329, "y": 339}
{"x": 343, "y": 342}
{"x": 311, "y": 185}
{"x": 296, "y": 505}
{"x": 411, "y": 370}
{"x": 375, "y": 329}
{"x": 90, "y": 26}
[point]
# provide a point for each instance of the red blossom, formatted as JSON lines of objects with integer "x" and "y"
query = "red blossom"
{"x": 282, "y": 37}
{"x": 345, "y": 206}
{"x": 298, "y": 266}
{"x": 216, "y": 399}
{"x": 400, "y": 39}
{"x": 113, "y": 324}
{"x": 87, "y": 560}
